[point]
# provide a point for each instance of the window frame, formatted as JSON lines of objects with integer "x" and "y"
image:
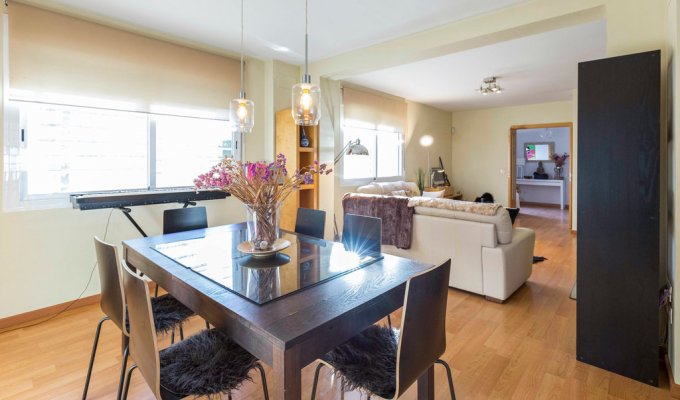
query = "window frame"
{"x": 347, "y": 182}
{"x": 14, "y": 188}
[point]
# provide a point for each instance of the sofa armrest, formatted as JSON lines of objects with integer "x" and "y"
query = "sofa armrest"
{"x": 507, "y": 266}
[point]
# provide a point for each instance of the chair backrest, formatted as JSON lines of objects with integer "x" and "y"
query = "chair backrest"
{"x": 112, "y": 299}
{"x": 143, "y": 345}
{"x": 184, "y": 219}
{"x": 362, "y": 234}
{"x": 422, "y": 339}
{"x": 310, "y": 222}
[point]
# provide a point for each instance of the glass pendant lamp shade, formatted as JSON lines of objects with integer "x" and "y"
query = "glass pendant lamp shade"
{"x": 242, "y": 110}
{"x": 306, "y": 100}
{"x": 242, "y": 114}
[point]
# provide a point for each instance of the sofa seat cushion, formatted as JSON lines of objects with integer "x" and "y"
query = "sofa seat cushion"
{"x": 501, "y": 220}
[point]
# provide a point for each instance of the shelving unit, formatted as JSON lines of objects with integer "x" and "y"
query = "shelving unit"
{"x": 288, "y": 142}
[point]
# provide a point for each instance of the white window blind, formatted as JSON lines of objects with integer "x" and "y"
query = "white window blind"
{"x": 59, "y": 59}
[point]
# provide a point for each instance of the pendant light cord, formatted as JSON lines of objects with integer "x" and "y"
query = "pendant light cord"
{"x": 243, "y": 93}
{"x": 307, "y": 78}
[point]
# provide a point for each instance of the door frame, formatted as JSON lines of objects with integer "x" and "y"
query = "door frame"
{"x": 512, "y": 175}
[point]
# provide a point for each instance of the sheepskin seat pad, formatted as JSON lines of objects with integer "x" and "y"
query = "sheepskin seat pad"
{"x": 205, "y": 364}
{"x": 168, "y": 313}
{"x": 368, "y": 361}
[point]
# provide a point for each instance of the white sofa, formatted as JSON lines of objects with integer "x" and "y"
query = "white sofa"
{"x": 488, "y": 256}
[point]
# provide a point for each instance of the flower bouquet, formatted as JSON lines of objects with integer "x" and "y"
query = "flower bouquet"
{"x": 559, "y": 160}
{"x": 262, "y": 187}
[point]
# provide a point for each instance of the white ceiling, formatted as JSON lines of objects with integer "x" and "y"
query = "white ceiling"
{"x": 531, "y": 69}
{"x": 335, "y": 27}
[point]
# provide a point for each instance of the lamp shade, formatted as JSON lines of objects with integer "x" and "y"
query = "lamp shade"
{"x": 242, "y": 114}
{"x": 306, "y": 100}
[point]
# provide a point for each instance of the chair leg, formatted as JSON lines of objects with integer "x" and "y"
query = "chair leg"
{"x": 155, "y": 293}
{"x": 94, "y": 352}
{"x": 316, "y": 379}
{"x": 172, "y": 337}
{"x": 181, "y": 332}
{"x": 264, "y": 380}
{"x": 389, "y": 321}
{"x": 207, "y": 325}
{"x": 121, "y": 380}
{"x": 127, "y": 381}
{"x": 449, "y": 376}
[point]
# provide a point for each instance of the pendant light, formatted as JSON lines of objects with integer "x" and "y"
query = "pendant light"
{"x": 242, "y": 110}
{"x": 306, "y": 97}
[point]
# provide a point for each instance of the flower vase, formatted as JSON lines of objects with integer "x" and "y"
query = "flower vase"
{"x": 558, "y": 172}
{"x": 263, "y": 224}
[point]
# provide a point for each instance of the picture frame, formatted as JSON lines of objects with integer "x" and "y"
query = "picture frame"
{"x": 539, "y": 151}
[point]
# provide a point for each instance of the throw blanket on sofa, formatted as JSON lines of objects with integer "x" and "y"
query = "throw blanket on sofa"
{"x": 488, "y": 209}
{"x": 396, "y": 215}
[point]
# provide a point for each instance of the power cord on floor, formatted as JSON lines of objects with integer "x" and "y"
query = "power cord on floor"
{"x": 69, "y": 305}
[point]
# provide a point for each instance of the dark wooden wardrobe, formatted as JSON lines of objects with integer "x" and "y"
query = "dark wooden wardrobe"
{"x": 618, "y": 262}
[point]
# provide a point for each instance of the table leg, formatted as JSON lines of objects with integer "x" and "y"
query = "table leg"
{"x": 286, "y": 374}
{"x": 426, "y": 385}
{"x": 562, "y": 196}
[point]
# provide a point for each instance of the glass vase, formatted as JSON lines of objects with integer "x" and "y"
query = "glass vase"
{"x": 558, "y": 172}
{"x": 263, "y": 221}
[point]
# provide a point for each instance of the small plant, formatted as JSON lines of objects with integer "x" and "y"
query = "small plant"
{"x": 420, "y": 181}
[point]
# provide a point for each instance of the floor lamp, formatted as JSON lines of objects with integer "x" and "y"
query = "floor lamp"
{"x": 352, "y": 148}
{"x": 426, "y": 141}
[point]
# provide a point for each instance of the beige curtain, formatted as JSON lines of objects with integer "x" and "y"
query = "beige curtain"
{"x": 53, "y": 57}
{"x": 363, "y": 108}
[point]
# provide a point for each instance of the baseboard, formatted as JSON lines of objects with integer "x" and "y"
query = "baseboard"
{"x": 27, "y": 318}
{"x": 675, "y": 388}
{"x": 549, "y": 205}
{"x": 15, "y": 321}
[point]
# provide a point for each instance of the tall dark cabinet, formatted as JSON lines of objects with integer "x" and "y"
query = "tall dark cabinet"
{"x": 618, "y": 262}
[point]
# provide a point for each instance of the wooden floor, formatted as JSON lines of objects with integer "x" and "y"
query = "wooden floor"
{"x": 523, "y": 349}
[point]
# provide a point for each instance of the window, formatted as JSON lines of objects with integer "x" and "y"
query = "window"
{"x": 385, "y": 158}
{"x": 53, "y": 150}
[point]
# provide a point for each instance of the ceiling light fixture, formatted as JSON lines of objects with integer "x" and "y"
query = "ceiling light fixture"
{"x": 489, "y": 85}
{"x": 242, "y": 110}
{"x": 306, "y": 98}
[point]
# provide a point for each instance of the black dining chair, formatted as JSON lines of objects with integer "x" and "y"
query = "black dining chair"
{"x": 184, "y": 219}
{"x": 362, "y": 234}
{"x": 385, "y": 362}
{"x": 206, "y": 364}
{"x": 310, "y": 222}
{"x": 168, "y": 312}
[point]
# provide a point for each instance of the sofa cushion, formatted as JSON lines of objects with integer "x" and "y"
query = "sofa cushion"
{"x": 389, "y": 187}
{"x": 501, "y": 220}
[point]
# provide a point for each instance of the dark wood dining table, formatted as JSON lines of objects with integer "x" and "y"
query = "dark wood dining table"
{"x": 292, "y": 331}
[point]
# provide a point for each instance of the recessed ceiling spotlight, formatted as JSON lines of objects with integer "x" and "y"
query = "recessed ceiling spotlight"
{"x": 490, "y": 85}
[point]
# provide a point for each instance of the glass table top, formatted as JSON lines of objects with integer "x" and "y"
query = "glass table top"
{"x": 307, "y": 262}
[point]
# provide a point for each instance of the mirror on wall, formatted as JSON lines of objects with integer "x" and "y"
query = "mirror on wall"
{"x": 539, "y": 151}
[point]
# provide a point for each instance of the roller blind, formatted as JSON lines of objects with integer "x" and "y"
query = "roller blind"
{"x": 61, "y": 59}
{"x": 363, "y": 108}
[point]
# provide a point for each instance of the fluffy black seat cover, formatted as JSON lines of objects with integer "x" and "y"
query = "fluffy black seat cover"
{"x": 168, "y": 312}
{"x": 368, "y": 361}
{"x": 205, "y": 364}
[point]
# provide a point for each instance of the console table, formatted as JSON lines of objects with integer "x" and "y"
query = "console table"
{"x": 556, "y": 183}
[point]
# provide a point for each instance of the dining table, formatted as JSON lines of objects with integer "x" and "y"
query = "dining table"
{"x": 288, "y": 309}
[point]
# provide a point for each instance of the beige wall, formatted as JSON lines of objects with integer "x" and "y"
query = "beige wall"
{"x": 46, "y": 256}
{"x": 421, "y": 120}
{"x": 481, "y": 146}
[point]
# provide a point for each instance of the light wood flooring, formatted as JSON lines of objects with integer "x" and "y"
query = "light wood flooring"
{"x": 523, "y": 349}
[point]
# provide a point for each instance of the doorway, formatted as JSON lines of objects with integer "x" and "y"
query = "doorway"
{"x": 538, "y": 144}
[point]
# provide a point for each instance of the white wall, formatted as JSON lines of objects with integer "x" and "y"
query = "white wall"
{"x": 560, "y": 137}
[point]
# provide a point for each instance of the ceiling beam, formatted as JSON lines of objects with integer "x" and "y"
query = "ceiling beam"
{"x": 525, "y": 19}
